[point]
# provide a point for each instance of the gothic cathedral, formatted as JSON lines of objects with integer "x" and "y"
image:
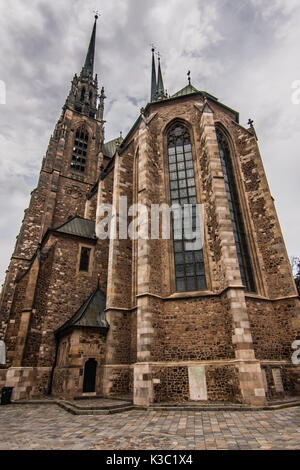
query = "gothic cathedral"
{"x": 150, "y": 317}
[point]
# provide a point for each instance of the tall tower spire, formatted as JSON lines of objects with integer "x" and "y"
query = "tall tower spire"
{"x": 160, "y": 84}
{"x": 153, "y": 78}
{"x": 88, "y": 68}
{"x": 83, "y": 96}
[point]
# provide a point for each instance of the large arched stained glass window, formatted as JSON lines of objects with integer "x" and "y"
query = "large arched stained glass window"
{"x": 189, "y": 263}
{"x": 80, "y": 150}
{"x": 235, "y": 214}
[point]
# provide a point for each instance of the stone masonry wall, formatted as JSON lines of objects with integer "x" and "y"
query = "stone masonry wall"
{"x": 173, "y": 384}
{"x": 193, "y": 329}
{"x": 34, "y": 338}
{"x": 61, "y": 291}
{"x": 28, "y": 382}
{"x": 223, "y": 383}
{"x": 121, "y": 381}
{"x": 268, "y": 237}
{"x": 15, "y": 317}
{"x": 272, "y": 328}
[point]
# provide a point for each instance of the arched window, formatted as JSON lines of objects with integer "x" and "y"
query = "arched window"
{"x": 80, "y": 147}
{"x": 236, "y": 214}
{"x": 189, "y": 263}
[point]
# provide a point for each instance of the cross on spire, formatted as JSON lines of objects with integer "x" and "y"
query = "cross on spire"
{"x": 189, "y": 76}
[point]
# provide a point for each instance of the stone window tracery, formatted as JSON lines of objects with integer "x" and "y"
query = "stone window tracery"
{"x": 189, "y": 263}
{"x": 236, "y": 214}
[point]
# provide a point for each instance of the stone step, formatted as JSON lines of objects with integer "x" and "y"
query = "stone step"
{"x": 98, "y": 397}
{"x": 96, "y": 407}
{"x": 225, "y": 407}
{"x": 93, "y": 410}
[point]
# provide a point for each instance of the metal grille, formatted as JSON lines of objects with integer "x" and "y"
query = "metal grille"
{"x": 189, "y": 264}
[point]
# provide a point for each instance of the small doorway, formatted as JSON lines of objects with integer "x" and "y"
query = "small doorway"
{"x": 89, "y": 379}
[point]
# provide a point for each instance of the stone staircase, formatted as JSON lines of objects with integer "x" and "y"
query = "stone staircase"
{"x": 100, "y": 406}
{"x": 93, "y": 408}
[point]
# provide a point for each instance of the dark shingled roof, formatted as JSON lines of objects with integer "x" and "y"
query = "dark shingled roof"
{"x": 80, "y": 227}
{"x": 187, "y": 90}
{"x": 91, "y": 314}
{"x": 109, "y": 148}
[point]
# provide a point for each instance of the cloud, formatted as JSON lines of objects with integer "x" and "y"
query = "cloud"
{"x": 246, "y": 53}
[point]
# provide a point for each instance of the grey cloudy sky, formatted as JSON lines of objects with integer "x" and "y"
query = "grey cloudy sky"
{"x": 245, "y": 52}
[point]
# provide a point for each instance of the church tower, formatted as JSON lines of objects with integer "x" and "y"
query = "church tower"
{"x": 65, "y": 193}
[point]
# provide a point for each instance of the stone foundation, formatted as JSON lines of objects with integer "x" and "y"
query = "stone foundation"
{"x": 192, "y": 382}
{"x": 281, "y": 379}
{"x": 28, "y": 382}
{"x": 68, "y": 382}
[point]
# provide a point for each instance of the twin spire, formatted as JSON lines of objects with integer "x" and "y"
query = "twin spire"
{"x": 157, "y": 85}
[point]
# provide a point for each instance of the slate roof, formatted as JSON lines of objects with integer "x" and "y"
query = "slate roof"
{"x": 91, "y": 314}
{"x": 187, "y": 90}
{"x": 78, "y": 226}
{"x": 190, "y": 89}
{"x": 109, "y": 148}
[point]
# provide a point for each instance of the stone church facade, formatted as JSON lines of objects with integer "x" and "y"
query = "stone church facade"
{"x": 149, "y": 317}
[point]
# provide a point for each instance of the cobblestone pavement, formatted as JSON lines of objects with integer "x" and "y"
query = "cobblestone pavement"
{"x": 49, "y": 427}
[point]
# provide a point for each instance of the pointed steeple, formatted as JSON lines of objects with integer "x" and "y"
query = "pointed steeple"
{"x": 88, "y": 68}
{"x": 153, "y": 78}
{"x": 83, "y": 96}
{"x": 160, "y": 84}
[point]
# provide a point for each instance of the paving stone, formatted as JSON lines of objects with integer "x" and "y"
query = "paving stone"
{"x": 44, "y": 427}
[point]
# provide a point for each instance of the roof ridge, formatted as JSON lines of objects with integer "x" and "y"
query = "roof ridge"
{"x": 189, "y": 86}
{"x": 62, "y": 225}
{"x": 85, "y": 304}
{"x": 70, "y": 220}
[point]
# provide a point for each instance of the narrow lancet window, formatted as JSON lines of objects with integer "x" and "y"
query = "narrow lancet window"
{"x": 189, "y": 263}
{"x": 235, "y": 214}
{"x": 84, "y": 259}
{"x": 80, "y": 147}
